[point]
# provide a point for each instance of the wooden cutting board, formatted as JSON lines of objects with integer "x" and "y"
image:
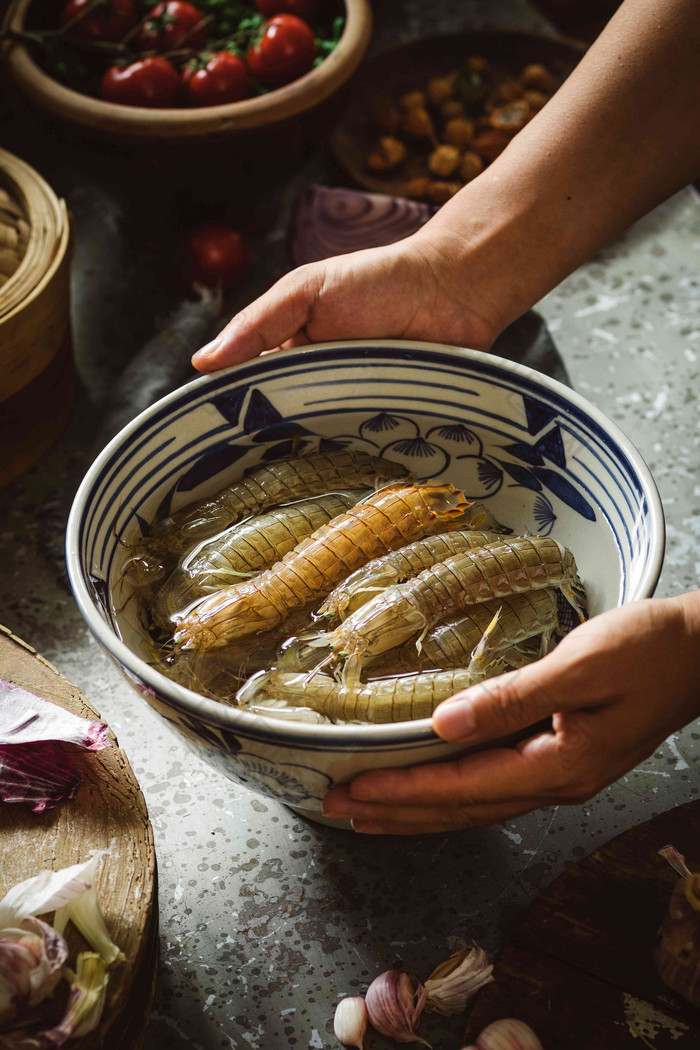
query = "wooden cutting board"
{"x": 109, "y": 805}
{"x": 579, "y": 969}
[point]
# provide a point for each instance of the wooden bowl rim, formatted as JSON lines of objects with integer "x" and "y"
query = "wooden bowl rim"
{"x": 141, "y": 122}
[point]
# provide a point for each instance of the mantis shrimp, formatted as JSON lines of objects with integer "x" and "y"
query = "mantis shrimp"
{"x": 386, "y": 520}
{"x": 395, "y": 699}
{"x": 245, "y": 549}
{"x": 502, "y": 624}
{"x": 266, "y": 486}
{"x": 406, "y": 609}
{"x": 485, "y": 642}
{"x": 398, "y": 566}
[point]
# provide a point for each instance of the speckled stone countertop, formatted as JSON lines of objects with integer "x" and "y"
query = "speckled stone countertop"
{"x": 266, "y": 921}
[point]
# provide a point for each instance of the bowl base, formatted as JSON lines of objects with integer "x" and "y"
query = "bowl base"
{"x": 317, "y": 817}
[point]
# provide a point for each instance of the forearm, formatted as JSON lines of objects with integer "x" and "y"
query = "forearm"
{"x": 618, "y": 137}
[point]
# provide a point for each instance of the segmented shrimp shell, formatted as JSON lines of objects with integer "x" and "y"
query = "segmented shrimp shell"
{"x": 509, "y": 567}
{"x": 155, "y": 556}
{"x": 244, "y": 549}
{"x": 509, "y": 621}
{"x": 398, "y": 566}
{"x": 394, "y": 699}
{"x": 385, "y": 521}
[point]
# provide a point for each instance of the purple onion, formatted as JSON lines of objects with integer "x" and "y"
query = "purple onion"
{"x": 329, "y": 222}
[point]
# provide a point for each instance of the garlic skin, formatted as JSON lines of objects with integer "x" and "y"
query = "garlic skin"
{"x": 455, "y": 981}
{"x": 33, "y": 955}
{"x": 395, "y": 1002}
{"x": 507, "y": 1034}
{"x": 350, "y": 1021}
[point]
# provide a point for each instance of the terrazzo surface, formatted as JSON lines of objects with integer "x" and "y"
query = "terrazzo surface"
{"x": 266, "y": 920}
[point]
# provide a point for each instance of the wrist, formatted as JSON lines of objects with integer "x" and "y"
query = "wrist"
{"x": 685, "y": 647}
{"x": 688, "y": 607}
{"x": 497, "y": 243}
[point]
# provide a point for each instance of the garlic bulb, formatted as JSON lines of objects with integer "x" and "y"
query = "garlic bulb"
{"x": 507, "y": 1034}
{"x": 395, "y": 1001}
{"x": 677, "y": 946}
{"x": 456, "y": 980}
{"x": 350, "y": 1021}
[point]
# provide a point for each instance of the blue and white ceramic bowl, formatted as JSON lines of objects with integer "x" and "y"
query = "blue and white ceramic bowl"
{"x": 543, "y": 458}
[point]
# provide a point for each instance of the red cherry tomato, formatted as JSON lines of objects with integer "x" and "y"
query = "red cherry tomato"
{"x": 223, "y": 79}
{"x": 170, "y": 26}
{"x": 270, "y": 8}
{"x": 150, "y": 82}
{"x": 285, "y": 51}
{"x": 217, "y": 255}
{"x": 109, "y": 22}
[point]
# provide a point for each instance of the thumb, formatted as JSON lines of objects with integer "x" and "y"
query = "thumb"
{"x": 269, "y": 321}
{"x": 504, "y": 705}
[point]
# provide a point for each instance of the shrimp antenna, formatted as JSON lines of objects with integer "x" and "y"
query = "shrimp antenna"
{"x": 319, "y": 667}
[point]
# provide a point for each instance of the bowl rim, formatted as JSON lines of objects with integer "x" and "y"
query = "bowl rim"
{"x": 182, "y": 123}
{"x": 323, "y": 736}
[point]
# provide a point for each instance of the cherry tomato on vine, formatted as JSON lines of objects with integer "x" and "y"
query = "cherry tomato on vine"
{"x": 270, "y": 8}
{"x": 216, "y": 255}
{"x": 171, "y": 26}
{"x": 285, "y": 51}
{"x": 216, "y": 78}
{"x": 151, "y": 82}
{"x": 110, "y": 21}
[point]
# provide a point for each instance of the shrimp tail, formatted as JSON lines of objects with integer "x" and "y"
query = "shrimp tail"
{"x": 350, "y": 675}
{"x": 545, "y": 642}
{"x": 481, "y": 518}
{"x": 482, "y": 653}
{"x": 575, "y": 594}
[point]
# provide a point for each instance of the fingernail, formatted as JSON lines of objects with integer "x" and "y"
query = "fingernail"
{"x": 454, "y": 720}
{"x": 207, "y": 351}
{"x": 367, "y": 827}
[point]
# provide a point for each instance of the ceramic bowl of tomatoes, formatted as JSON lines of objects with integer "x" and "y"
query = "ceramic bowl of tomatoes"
{"x": 142, "y": 71}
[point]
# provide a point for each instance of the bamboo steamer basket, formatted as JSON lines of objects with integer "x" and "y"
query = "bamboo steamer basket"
{"x": 36, "y": 373}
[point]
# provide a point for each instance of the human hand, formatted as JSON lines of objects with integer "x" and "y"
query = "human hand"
{"x": 615, "y": 688}
{"x": 412, "y": 289}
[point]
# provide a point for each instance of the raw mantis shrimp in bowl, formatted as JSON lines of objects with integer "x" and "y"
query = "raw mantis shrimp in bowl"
{"x": 348, "y": 596}
{"x": 386, "y": 520}
{"x": 270, "y": 485}
{"x": 467, "y": 578}
{"x": 488, "y": 642}
{"x": 245, "y": 549}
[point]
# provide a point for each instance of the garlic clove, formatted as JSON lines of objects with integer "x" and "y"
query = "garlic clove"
{"x": 395, "y": 1002}
{"x": 508, "y": 1034}
{"x": 350, "y": 1021}
{"x": 455, "y": 981}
